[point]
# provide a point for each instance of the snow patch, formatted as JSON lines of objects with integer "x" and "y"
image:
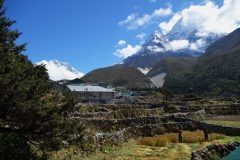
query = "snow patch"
{"x": 158, "y": 80}
{"x": 144, "y": 70}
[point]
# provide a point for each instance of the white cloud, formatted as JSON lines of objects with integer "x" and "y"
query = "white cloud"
{"x": 127, "y": 20}
{"x": 127, "y": 51}
{"x": 141, "y": 35}
{"x": 208, "y": 17}
{"x": 167, "y": 26}
{"x": 59, "y": 72}
{"x": 177, "y": 45}
{"x": 121, "y": 43}
{"x": 152, "y": 0}
{"x": 133, "y": 22}
{"x": 197, "y": 45}
{"x": 162, "y": 12}
{"x": 155, "y": 49}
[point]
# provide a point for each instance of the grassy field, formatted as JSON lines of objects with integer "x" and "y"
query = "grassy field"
{"x": 147, "y": 148}
{"x": 174, "y": 151}
{"x": 230, "y": 120}
{"x": 132, "y": 150}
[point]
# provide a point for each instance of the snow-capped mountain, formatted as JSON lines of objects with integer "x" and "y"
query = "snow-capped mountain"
{"x": 156, "y": 40}
{"x": 60, "y": 70}
{"x": 65, "y": 65}
{"x": 198, "y": 40}
{"x": 181, "y": 41}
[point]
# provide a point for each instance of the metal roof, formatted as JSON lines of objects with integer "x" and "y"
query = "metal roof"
{"x": 235, "y": 154}
{"x": 88, "y": 88}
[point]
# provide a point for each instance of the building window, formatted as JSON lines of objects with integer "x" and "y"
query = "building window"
{"x": 93, "y": 95}
{"x": 82, "y": 95}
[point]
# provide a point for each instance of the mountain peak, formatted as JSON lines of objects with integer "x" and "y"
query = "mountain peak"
{"x": 184, "y": 40}
{"x": 60, "y": 70}
{"x": 156, "y": 33}
{"x": 156, "y": 38}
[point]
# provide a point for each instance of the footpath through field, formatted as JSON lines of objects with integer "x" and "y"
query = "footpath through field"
{"x": 234, "y": 155}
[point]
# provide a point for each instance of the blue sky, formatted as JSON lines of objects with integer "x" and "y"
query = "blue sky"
{"x": 91, "y": 34}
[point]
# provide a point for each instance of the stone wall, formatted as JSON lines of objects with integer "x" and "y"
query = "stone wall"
{"x": 116, "y": 114}
{"x": 222, "y": 150}
{"x": 106, "y": 125}
{"x": 148, "y": 126}
{"x": 226, "y": 130}
{"x": 153, "y": 129}
{"x": 98, "y": 141}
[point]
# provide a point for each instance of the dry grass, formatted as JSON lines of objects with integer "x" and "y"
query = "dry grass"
{"x": 188, "y": 137}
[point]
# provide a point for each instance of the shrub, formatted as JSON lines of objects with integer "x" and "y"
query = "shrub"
{"x": 160, "y": 130}
{"x": 188, "y": 137}
{"x": 162, "y": 141}
{"x": 193, "y": 137}
{"x": 172, "y": 137}
{"x": 142, "y": 141}
{"x": 150, "y": 142}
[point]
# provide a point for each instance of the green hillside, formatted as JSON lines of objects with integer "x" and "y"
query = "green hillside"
{"x": 118, "y": 75}
{"x": 211, "y": 76}
{"x": 172, "y": 66}
{"x": 223, "y": 45}
{"x": 217, "y": 71}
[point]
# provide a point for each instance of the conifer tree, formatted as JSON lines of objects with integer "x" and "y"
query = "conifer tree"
{"x": 31, "y": 113}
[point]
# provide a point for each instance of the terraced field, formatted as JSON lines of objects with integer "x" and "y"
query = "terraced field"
{"x": 112, "y": 131}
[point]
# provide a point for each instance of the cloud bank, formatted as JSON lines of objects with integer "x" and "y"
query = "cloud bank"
{"x": 208, "y": 17}
{"x": 58, "y": 72}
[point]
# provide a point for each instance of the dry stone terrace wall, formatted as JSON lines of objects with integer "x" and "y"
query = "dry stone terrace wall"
{"x": 118, "y": 113}
{"x": 229, "y": 109}
{"x": 221, "y": 149}
{"x": 148, "y": 126}
{"x": 226, "y": 130}
{"x": 106, "y": 125}
{"x": 97, "y": 142}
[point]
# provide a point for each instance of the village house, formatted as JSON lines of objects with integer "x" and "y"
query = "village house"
{"x": 93, "y": 94}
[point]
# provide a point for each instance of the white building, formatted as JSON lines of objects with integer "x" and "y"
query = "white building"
{"x": 95, "y": 94}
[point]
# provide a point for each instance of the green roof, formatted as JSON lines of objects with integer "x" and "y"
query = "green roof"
{"x": 234, "y": 155}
